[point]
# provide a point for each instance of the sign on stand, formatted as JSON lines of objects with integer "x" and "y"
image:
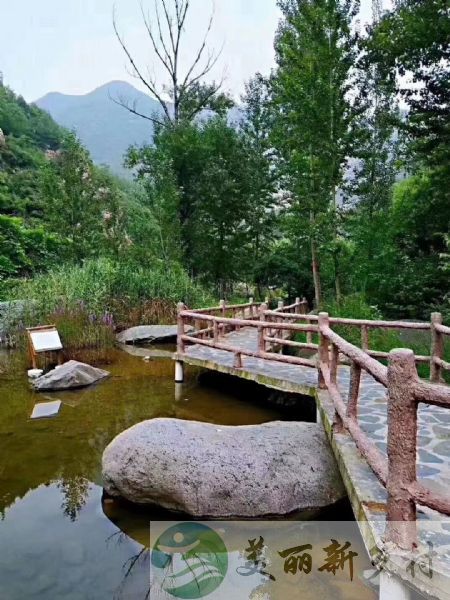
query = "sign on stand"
{"x": 43, "y": 339}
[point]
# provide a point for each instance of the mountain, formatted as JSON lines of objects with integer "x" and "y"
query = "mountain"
{"x": 105, "y": 128}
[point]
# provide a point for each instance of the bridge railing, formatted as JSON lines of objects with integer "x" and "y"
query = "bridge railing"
{"x": 213, "y": 327}
{"x": 405, "y": 391}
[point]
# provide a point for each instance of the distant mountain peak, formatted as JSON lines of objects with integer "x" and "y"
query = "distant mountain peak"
{"x": 106, "y": 129}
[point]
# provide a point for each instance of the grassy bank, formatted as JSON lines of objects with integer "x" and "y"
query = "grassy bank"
{"x": 90, "y": 302}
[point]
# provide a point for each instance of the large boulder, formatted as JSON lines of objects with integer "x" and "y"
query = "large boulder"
{"x": 72, "y": 374}
{"x": 219, "y": 471}
{"x": 147, "y": 334}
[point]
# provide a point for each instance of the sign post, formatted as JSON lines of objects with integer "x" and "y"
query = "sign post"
{"x": 44, "y": 338}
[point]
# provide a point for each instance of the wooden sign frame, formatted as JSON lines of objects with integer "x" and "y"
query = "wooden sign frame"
{"x": 33, "y": 353}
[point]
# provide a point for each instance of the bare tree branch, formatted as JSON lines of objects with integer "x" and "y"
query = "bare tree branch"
{"x": 169, "y": 24}
{"x": 212, "y": 61}
{"x": 200, "y": 52}
{"x": 132, "y": 109}
{"x": 167, "y": 63}
{"x": 150, "y": 87}
{"x": 166, "y": 38}
{"x": 161, "y": 37}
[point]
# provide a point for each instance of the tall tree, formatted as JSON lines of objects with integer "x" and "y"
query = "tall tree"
{"x": 215, "y": 199}
{"x": 376, "y": 154}
{"x": 315, "y": 52}
{"x": 182, "y": 94}
{"x": 261, "y": 176}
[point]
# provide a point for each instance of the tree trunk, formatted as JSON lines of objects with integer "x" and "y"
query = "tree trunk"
{"x": 337, "y": 278}
{"x": 316, "y": 273}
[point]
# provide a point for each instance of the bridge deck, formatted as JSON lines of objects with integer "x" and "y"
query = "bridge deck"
{"x": 367, "y": 495}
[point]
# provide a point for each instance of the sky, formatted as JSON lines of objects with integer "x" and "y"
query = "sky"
{"x": 69, "y": 45}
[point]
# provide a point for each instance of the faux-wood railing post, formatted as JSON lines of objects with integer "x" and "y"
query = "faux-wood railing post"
{"x": 324, "y": 358}
{"x": 279, "y": 332}
{"x": 250, "y": 300}
{"x": 223, "y": 310}
{"x": 180, "y": 328}
{"x": 353, "y": 391}
{"x": 401, "y": 448}
{"x": 179, "y": 366}
{"x": 297, "y": 308}
{"x": 334, "y": 364}
{"x": 261, "y": 329}
{"x": 364, "y": 337}
{"x": 437, "y": 347}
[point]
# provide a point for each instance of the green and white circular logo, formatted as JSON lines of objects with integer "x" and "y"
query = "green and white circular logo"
{"x": 189, "y": 561}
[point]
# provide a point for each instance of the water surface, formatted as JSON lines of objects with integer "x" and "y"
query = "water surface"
{"x": 58, "y": 539}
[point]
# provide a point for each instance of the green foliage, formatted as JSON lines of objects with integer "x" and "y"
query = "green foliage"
{"x": 82, "y": 203}
{"x": 315, "y": 52}
{"x": 19, "y": 119}
{"x": 24, "y": 250}
{"x": 253, "y": 204}
{"x": 85, "y": 336}
{"x": 354, "y": 306}
{"x": 106, "y": 285}
{"x": 200, "y": 179}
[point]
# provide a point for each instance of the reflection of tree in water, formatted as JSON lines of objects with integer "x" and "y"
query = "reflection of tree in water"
{"x": 140, "y": 560}
{"x": 75, "y": 491}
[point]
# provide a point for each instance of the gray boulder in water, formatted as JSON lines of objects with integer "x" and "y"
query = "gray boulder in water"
{"x": 147, "y": 333}
{"x": 72, "y": 374}
{"x": 220, "y": 471}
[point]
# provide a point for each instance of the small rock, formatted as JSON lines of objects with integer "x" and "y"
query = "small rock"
{"x": 72, "y": 374}
{"x": 34, "y": 373}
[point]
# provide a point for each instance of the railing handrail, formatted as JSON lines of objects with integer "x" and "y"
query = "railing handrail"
{"x": 375, "y": 324}
{"x": 249, "y": 323}
{"x": 397, "y": 471}
{"x": 360, "y": 357}
{"x": 225, "y": 306}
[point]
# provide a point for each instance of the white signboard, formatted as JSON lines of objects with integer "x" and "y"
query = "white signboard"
{"x": 45, "y": 341}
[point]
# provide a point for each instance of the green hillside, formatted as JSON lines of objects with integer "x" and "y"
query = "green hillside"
{"x": 27, "y": 135}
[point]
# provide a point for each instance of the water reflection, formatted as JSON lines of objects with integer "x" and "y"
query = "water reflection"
{"x": 55, "y": 540}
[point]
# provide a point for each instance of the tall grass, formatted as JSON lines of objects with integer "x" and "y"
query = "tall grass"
{"x": 88, "y": 303}
{"x": 128, "y": 291}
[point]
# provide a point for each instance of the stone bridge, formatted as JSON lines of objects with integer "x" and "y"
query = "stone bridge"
{"x": 389, "y": 429}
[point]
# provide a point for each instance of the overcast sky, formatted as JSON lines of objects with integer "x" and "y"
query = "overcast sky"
{"x": 69, "y": 45}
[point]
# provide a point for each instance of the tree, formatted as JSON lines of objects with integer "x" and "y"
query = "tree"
{"x": 81, "y": 206}
{"x": 188, "y": 94}
{"x": 24, "y": 250}
{"x": 315, "y": 52}
{"x": 255, "y": 128}
{"x": 160, "y": 204}
{"x": 376, "y": 154}
{"x": 199, "y": 177}
{"x": 410, "y": 47}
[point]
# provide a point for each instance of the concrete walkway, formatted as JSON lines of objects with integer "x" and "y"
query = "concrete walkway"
{"x": 367, "y": 495}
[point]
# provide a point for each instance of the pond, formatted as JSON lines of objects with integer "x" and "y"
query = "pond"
{"x": 58, "y": 538}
